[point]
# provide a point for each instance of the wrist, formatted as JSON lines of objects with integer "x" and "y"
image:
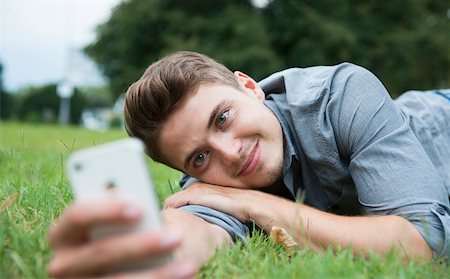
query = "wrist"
{"x": 267, "y": 210}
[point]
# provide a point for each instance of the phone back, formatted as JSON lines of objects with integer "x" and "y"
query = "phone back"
{"x": 115, "y": 170}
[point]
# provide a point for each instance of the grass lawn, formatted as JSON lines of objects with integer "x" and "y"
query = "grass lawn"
{"x": 34, "y": 190}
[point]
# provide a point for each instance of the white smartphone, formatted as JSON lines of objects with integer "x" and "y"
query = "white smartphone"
{"x": 117, "y": 170}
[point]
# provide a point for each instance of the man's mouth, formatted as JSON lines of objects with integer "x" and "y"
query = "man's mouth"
{"x": 252, "y": 161}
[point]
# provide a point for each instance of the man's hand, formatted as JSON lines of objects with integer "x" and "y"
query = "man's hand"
{"x": 233, "y": 201}
{"x": 309, "y": 226}
{"x": 76, "y": 256}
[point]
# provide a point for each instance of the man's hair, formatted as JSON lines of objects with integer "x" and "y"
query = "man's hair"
{"x": 150, "y": 100}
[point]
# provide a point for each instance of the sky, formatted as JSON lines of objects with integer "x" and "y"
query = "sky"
{"x": 39, "y": 40}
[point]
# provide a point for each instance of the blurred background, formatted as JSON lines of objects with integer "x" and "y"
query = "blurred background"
{"x": 70, "y": 61}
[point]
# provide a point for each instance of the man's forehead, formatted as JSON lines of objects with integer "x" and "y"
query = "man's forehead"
{"x": 186, "y": 127}
{"x": 203, "y": 101}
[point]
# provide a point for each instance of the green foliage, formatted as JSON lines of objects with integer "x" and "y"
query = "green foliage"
{"x": 95, "y": 97}
{"x": 259, "y": 257}
{"x": 37, "y": 101}
{"x": 405, "y": 43}
{"x": 32, "y": 164}
{"x": 1, "y": 77}
{"x": 7, "y": 105}
{"x": 7, "y": 101}
{"x": 41, "y": 104}
{"x": 140, "y": 32}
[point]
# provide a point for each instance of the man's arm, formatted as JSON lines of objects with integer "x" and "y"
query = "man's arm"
{"x": 309, "y": 226}
{"x": 191, "y": 239}
{"x": 388, "y": 164}
{"x": 319, "y": 229}
{"x": 200, "y": 238}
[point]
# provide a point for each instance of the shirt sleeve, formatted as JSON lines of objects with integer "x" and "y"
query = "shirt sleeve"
{"x": 236, "y": 229}
{"x": 392, "y": 173}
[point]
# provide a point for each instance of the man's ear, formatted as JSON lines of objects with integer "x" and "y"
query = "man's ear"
{"x": 250, "y": 84}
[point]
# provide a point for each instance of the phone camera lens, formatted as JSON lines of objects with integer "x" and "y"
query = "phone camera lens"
{"x": 111, "y": 186}
{"x": 78, "y": 167}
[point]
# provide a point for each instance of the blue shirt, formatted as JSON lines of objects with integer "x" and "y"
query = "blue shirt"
{"x": 352, "y": 150}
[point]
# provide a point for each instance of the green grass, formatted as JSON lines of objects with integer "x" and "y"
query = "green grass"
{"x": 32, "y": 164}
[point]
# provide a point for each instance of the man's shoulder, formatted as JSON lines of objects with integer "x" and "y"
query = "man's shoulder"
{"x": 306, "y": 85}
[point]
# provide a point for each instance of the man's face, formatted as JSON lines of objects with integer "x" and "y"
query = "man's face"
{"x": 225, "y": 136}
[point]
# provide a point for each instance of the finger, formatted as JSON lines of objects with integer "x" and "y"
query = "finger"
{"x": 195, "y": 194}
{"x": 168, "y": 202}
{"x": 176, "y": 200}
{"x": 74, "y": 225}
{"x": 100, "y": 256}
{"x": 175, "y": 270}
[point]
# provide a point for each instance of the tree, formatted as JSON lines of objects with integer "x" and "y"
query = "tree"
{"x": 41, "y": 104}
{"x": 140, "y": 32}
{"x": 6, "y": 100}
{"x": 405, "y": 43}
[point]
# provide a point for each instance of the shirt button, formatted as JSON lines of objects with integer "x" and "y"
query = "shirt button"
{"x": 440, "y": 210}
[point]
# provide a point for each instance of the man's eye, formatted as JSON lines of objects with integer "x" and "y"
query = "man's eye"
{"x": 200, "y": 158}
{"x": 222, "y": 118}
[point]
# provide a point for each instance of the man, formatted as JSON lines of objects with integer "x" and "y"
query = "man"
{"x": 363, "y": 163}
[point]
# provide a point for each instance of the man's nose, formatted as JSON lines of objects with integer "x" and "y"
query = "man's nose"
{"x": 227, "y": 147}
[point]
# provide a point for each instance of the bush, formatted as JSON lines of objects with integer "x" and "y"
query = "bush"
{"x": 41, "y": 104}
{"x": 7, "y": 103}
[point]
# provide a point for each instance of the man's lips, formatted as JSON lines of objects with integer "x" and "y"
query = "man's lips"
{"x": 252, "y": 161}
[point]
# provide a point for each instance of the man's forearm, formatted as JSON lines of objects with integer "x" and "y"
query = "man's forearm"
{"x": 319, "y": 229}
{"x": 309, "y": 226}
{"x": 200, "y": 238}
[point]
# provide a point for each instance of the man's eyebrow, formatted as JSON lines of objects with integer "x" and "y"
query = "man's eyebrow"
{"x": 213, "y": 115}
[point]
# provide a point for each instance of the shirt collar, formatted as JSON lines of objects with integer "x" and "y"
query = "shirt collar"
{"x": 289, "y": 153}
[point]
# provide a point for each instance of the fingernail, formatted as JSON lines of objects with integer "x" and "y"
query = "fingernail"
{"x": 131, "y": 212}
{"x": 170, "y": 239}
{"x": 185, "y": 270}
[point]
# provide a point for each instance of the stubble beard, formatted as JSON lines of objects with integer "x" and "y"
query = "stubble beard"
{"x": 272, "y": 174}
